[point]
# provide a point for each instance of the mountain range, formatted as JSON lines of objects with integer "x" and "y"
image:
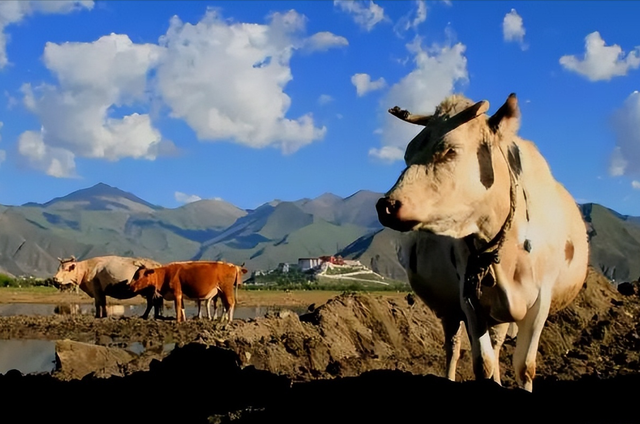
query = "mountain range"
{"x": 102, "y": 220}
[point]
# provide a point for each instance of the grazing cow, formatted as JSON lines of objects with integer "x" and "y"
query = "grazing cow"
{"x": 520, "y": 244}
{"x": 99, "y": 276}
{"x": 197, "y": 280}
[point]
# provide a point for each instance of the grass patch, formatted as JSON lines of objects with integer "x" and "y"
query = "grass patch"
{"x": 6, "y": 281}
{"x": 29, "y": 289}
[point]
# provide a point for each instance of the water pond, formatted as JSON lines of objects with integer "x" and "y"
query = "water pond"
{"x": 36, "y": 356}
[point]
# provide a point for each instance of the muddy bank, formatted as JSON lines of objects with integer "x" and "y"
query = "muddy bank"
{"x": 354, "y": 345}
{"x": 353, "y": 333}
{"x": 173, "y": 391}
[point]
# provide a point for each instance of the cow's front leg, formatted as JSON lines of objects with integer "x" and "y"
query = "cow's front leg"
{"x": 150, "y": 304}
{"x": 452, "y": 340}
{"x": 230, "y": 309}
{"x": 199, "y": 303}
{"x": 498, "y": 335}
{"x": 180, "y": 315}
{"x": 100, "y": 301}
{"x": 208, "y": 305}
{"x": 215, "y": 306}
{"x": 529, "y": 331}
{"x": 158, "y": 307}
{"x": 482, "y": 351}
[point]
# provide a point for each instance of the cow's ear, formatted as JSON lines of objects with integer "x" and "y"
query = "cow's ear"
{"x": 507, "y": 118}
{"x": 72, "y": 267}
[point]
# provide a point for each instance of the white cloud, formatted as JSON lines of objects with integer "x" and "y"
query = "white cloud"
{"x": 513, "y": 28}
{"x": 367, "y": 14}
{"x": 227, "y": 80}
{"x": 635, "y": 184}
{"x": 364, "y": 84}
{"x": 323, "y": 41}
{"x": 325, "y": 99}
{"x": 77, "y": 114}
{"x": 410, "y": 21}
{"x": 54, "y": 161}
{"x": 421, "y": 13}
{"x": 15, "y": 11}
{"x": 242, "y": 101}
{"x": 186, "y": 198}
{"x": 601, "y": 62}
{"x": 626, "y": 121}
{"x": 388, "y": 153}
{"x": 438, "y": 70}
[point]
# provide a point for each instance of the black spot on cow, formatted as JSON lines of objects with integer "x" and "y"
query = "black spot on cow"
{"x": 486, "y": 165}
{"x": 514, "y": 159}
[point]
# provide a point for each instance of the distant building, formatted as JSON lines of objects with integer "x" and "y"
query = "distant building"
{"x": 283, "y": 267}
{"x": 308, "y": 263}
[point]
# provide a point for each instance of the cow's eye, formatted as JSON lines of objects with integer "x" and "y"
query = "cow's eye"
{"x": 447, "y": 154}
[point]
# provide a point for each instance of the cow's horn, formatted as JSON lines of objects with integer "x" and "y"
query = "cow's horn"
{"x": 407, "y": 116}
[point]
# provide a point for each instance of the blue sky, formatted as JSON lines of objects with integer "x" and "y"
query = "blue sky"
{"x": 252, "y": 101}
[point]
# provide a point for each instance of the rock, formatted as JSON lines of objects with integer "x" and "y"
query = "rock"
{"x": 74, "y": 360}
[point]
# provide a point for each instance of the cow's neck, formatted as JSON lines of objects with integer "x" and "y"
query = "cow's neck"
{"x": 484, "y": 246}
{"x": 83, "y": 278}
{"x": 496, "y": 214}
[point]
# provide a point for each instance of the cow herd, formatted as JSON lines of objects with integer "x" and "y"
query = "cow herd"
{"x": 124, "y": 278}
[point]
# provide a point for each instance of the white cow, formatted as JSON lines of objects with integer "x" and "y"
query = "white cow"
{"x": 521, "y": 250}
{"x": 99, "y": 276}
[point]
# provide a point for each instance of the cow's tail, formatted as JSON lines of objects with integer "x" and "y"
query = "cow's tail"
{"x": 236, "y": 284}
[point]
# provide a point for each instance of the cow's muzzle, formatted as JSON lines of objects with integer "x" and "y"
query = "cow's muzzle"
{"x": 389, "y": 215}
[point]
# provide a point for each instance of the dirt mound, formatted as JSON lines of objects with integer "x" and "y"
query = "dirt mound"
{"x": 598, "y": 334}
{"x": 364, "y": 357}
{"x": 354, "y": 333}
{"x": 203, "y": 384}
{"x": 346, "y": 336}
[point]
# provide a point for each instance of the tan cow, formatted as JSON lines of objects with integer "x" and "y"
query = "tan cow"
{"x": 98, "y": 277}
{"x": 521, "y": 250}
{"x": 197, "y": 280}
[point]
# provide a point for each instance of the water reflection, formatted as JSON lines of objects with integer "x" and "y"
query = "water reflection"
{"x": 37, "y": 356}
{"x": 27, "y": 356}
{"x": 46, "y": 309}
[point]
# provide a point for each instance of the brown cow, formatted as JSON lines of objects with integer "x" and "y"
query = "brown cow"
{"x": 197, "y": 280}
